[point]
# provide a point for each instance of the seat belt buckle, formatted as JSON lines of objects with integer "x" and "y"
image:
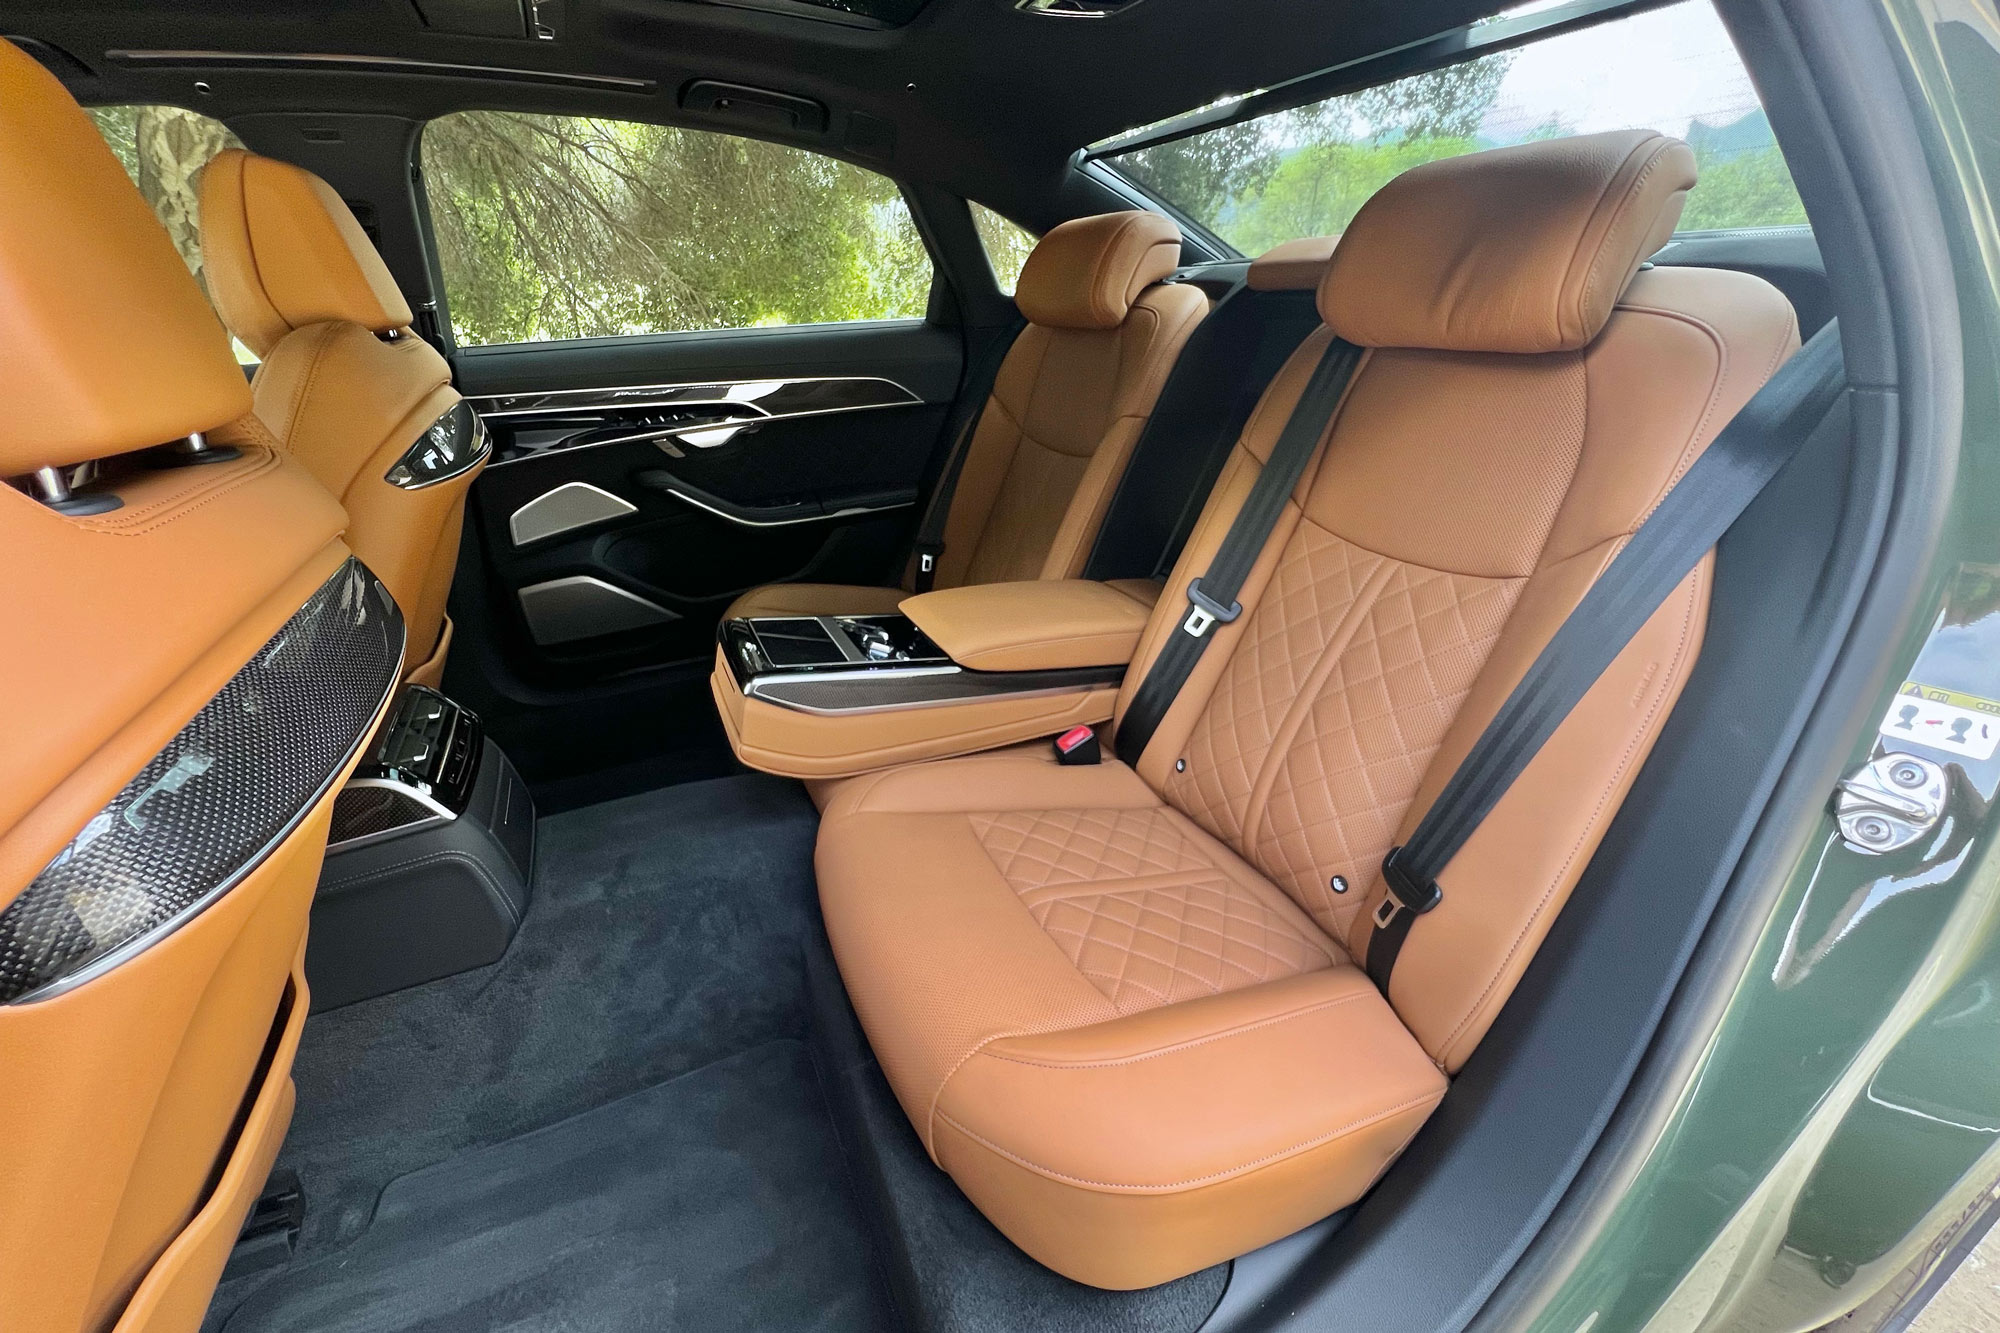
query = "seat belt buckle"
{"x": 927, "y": 559}
{"x": 1405, "y": 894}
{"x": 1079, "y": 745}
{"x": 1205, "y": 613}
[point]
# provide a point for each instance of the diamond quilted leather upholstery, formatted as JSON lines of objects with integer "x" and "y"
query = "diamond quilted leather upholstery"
{"x": 1067, "y": 408}
{"x": 1119, "y": 1004}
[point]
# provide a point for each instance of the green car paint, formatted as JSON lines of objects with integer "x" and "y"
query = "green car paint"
{"x": 1844, "y": 1111}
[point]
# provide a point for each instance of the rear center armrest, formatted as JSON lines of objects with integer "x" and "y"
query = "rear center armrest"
{"x": 1040, "y": 626}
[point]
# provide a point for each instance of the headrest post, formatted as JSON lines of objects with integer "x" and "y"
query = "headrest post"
{"x": 195, "y": 449}
{"x": 52, "y": 489}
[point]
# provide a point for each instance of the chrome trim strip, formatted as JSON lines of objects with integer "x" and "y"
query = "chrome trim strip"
{"x": 441, "y": 434}
{"x": 561, "y": 510}
{"x": 755, "y": 691}
{"x": 147, "y": 939}
{"x": 283, "y": 60}
{"x": 687, "y": 393}
{"x": 852, "y": 511}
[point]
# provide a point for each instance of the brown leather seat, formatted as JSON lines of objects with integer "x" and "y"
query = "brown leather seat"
{"x": 1068, "y": 404}
{"x": 1120, "y": 1004}
{"x": 346, "y": 387}
{"x": 191, "y": 673}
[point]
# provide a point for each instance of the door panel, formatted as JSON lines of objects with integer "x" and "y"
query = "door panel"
{"x": 639, "y": 484}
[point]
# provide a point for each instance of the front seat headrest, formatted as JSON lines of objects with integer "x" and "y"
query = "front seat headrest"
{"x": 283, "y": 251}
{"x": 106, "y": 344}
{"x": 1086, "y": 273}
{"x": 1519, "y": 249}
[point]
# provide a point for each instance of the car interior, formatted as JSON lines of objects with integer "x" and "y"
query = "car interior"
{"x": 865, "y": 664}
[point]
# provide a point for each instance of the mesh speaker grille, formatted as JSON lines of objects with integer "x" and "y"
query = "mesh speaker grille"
{"x": 222, "y": 793}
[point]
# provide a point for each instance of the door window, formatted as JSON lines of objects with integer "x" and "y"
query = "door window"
{"x": 576, "y": 227}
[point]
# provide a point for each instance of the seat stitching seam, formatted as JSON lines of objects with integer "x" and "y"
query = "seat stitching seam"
{"x": 1279, "y": 1155}
{"x": 1176, "y": 1047}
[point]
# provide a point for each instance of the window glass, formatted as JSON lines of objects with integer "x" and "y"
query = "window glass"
{"x": 1305, "y": 172}
{"x": 1007, "y": 245}
{"x": 572, "y": 227}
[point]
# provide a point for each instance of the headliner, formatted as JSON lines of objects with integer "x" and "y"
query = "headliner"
{"x": 985, "y": 100}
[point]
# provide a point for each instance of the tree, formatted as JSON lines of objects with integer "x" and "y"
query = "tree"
{"x": 1205, "y": 175}
{"x": 1448, "y": 103}
{"x": 571, "y": 227}
{"x": 1748, "y": 189}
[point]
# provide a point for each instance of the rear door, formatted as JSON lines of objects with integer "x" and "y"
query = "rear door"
{"x": 706, "y": 364}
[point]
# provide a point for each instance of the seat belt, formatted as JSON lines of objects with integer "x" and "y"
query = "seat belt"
{"x": 964, "y": 421}
{"x": 1212, "y": 596}
{"x": 1688, "y": 522}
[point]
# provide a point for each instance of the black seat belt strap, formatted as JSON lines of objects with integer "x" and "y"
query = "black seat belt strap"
{"x": 964, "y": 421}
{"x": 1212, "y": 597}
{"x": 1688, "y": 522}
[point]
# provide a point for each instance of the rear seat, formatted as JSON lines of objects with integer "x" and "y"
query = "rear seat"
{"x": 1119, "y": 1004}
{"x": 1069, "y": 403}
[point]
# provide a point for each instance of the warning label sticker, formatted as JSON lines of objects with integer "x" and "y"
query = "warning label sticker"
{"x": 1944, "y": 720}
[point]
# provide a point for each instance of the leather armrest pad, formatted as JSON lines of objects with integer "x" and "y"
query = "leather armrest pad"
{"x": 1039, "y": 626}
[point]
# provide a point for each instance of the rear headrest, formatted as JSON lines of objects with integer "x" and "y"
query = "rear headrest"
{"x": 1295, "y": 266}
{"x": 1521, "y": 249}
{"x": 282, "y": 251}
{"x": 106, "y": 344}
{"x": 1086, "y": 273}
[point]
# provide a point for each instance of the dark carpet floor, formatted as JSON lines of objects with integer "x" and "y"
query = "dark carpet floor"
{"x": 665, "y": 935}
{"x": 715, "y": 1201}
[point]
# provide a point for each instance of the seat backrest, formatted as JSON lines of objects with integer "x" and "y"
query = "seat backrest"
{"x": 1071, "y": 398}
{"x": 345, "y": 386}
{"x": 192, "y": 671}
{"x": 1523, "y": 403}
{"x": 1214, "y": 386}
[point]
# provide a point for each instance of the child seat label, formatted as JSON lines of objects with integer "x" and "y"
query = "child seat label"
{"x": 1944, "y": 720}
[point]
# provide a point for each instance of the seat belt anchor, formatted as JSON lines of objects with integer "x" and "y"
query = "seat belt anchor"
{"x": 1405, "y": 894}
{"x": 1205, "y": 613}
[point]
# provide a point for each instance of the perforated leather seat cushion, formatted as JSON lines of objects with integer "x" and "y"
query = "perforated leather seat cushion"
{"x": 1098, "y": 1012}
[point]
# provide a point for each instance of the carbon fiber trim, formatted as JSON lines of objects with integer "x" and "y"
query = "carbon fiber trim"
{"x": 219, "y": 797}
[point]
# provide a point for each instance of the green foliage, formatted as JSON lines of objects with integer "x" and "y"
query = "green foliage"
{"x": 1206, "y": 175}
{"x": 1306, "y": 171}
{"x": 1317, "y": 190}
{"x": 568, "y": 227}
{"x": 1750, "y": 189}
{"x": 1446, "y": 103}
{"x": 1006, "y": 245}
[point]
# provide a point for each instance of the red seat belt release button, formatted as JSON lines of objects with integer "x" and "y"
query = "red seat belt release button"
{"x": 1079, "y": 745}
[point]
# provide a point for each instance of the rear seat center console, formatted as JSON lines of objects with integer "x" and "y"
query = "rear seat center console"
{"x": 429, "y": 857}
{"x": 959, "y": 670}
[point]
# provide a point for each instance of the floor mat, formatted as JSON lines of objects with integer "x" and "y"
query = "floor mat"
{"x": 665, "y": 933}
{"x": 714, "y": 1201}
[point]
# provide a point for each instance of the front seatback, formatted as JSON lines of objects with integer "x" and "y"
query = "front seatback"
{"x": 344, "y": 385}
{"x": 191, "y": 672}
{"x": 1524, "y": 403}
{"x": 1070, "y": 400}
